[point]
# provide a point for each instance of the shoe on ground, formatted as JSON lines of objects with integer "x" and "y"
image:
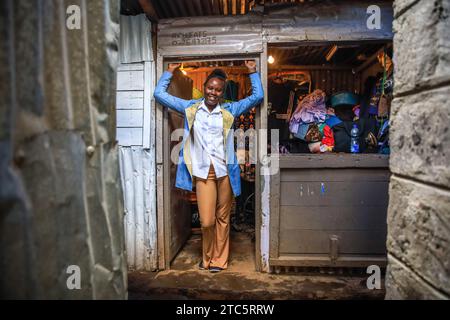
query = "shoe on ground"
{"x": 215, "y": 269}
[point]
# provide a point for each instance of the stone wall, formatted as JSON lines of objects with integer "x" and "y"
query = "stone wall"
{"x": 419, "y": 207}
{"x": 60, "y": 195}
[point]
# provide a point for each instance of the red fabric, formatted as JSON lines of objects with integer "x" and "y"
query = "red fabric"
{"x": 328, "y": 137}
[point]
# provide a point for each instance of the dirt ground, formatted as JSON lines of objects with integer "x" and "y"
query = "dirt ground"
{"x": 240, "y": 280}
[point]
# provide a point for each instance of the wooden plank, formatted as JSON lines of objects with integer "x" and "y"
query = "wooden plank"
{"x": 129, "y": 118}
{"x": 333, "y": 218}
{"x": 149, "y": 9}
{"x": 372, "y": 59}
{"x": 160, "y": 215}
{"x": 130, "y": 67}
{"x": 225, "y": 7}
{"x": 160, "y": 175}
{"x": 353, "y": 193}
{"x": 167, "y": 187}
{"x": 318, "y": 242}
{"x": 309, "y": 67}
{"x": 261, "y": 123}
{"x": 129, "y": 136}
{"x": 355, "y": 261}
{"x": 130, "y": 80}
{"x": 275, "y": 216}
{"x": 148, "y": 92}
{"x": 215, "y": 7}
{"x": 153, "y": 175}
{"x": 159, "y": 117}
{"x": 334, "y": 160}
{"x": 130, "y": 100}
{"x": 180, "y": 209}
{"x": 328, "y": 175}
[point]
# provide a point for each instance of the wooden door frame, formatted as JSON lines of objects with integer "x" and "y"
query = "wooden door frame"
{"x": 163, "y": 154}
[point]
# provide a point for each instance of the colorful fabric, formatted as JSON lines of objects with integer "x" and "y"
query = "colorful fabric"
{"x": 302, "y": 131}
{"x": 311, "y": 109}
{"x": 328, "y": 137}
{"x": 331, "y": 120}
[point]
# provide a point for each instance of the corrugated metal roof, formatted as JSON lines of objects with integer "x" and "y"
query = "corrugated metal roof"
{"x": 166, "y": 9}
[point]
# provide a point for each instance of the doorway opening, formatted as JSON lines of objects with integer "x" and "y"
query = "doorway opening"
{"x": 183, "y": 230}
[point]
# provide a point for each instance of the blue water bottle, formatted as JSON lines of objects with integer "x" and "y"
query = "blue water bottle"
{"x": 354, "y": 142}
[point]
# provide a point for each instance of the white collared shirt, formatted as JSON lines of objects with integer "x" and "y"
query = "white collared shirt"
{"x": 208, "y": 142}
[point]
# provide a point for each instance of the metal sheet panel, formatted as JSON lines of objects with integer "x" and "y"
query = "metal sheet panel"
{"x": 138, "y": 178}
{"x": 210, "y": 35}
{"x": 135, "y": 39}
{"x": 327, "y": 22}
{"x": 245, "y": 34}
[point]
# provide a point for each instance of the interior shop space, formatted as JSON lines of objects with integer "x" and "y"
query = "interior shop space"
{"x": 331, "y": 105}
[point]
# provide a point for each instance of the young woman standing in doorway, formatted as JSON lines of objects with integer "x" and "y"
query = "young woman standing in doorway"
{"x": 207, "y": 158}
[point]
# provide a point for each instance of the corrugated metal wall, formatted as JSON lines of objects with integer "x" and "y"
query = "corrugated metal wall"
{"x": 138, "y": 183}
{"x": 136, "y": 135}
{"x": 332, "y": 81}
{"x": 135, "y": 40}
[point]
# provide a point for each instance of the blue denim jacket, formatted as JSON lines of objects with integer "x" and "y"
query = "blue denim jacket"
{"x": 189, "y": 109}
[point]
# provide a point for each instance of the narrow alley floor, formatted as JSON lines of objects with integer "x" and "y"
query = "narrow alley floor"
{"x": 240, "y": 280}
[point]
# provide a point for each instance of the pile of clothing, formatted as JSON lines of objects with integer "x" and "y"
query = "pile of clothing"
{"x": 308, "y": 123}
{"x": 326, "y": 127}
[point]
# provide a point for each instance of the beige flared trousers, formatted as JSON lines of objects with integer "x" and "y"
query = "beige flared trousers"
{"x": 214, "y": 200}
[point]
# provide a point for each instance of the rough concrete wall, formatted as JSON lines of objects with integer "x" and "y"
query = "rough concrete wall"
{"x": 419, "y": 208}
{"x": 60, "y": 195}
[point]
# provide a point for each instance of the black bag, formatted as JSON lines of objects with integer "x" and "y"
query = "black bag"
{"x": 367, "y": 135}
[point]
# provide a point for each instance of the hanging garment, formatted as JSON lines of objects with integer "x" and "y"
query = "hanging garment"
{"x": 231, "y": 91}
{"x": 383, "y": 138}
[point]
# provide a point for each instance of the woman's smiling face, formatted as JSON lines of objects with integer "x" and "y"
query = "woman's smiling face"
{"x": 214, "y": 90}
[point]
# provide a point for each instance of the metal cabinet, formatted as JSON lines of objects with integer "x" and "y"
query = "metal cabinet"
{"x": 329, "y": 210}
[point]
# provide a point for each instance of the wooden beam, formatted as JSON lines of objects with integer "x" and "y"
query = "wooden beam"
{"x": 149, "y": 10}
{"x": 243, "y": 6}
{"x": 242, "y": 69}
{"x": 334, "y": 160}
{"x": 216, "y": 7}
{"x": 308, "y": 67}
{"x": 372, "y": 58}
{"x": 225, "y": 7}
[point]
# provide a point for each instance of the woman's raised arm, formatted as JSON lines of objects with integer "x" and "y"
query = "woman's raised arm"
{"x": 242, "y": 106}
{"x": 163, "y": 97}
